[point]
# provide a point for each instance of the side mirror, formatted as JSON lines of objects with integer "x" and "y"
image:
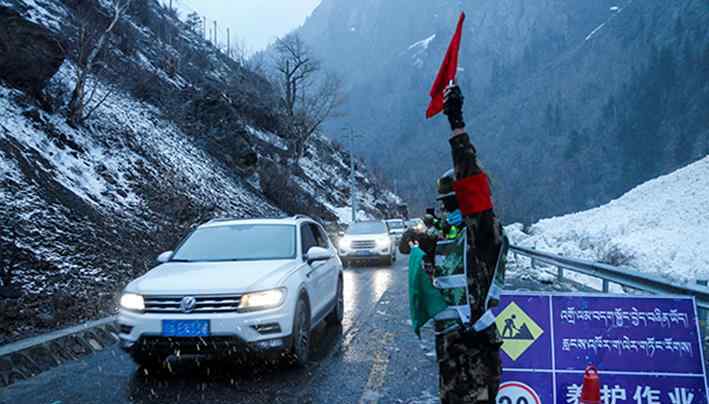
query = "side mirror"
{"x": 165, "y": 257}
{"x": 318, "y": 254}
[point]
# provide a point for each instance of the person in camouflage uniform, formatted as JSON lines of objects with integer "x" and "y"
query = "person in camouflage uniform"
{"x": 469, "y": 361}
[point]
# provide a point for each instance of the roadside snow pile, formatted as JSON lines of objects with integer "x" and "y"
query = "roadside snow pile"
{"x": 660, "y": 227}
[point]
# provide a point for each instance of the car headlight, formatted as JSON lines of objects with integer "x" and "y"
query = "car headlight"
{"x": 344, "y": 243}
{"x": 384, "y": 242}
{"x": 262, "y": 300}
{"x": 132, "y": 301}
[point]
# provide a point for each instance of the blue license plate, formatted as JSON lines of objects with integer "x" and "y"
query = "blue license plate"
{"x": 185, "y": 328}
{"x": 362, "y": 253}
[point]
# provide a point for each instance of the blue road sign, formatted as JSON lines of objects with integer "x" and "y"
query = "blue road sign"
{"x": 647, "y": 349}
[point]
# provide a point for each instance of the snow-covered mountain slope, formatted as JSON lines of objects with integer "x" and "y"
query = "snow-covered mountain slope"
{"x": 93, "y": 205}
{"x": 659, "y": 227}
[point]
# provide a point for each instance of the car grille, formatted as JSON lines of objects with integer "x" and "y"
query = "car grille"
{"x": 204, "y": 304}
{"x": 363, "y": 244}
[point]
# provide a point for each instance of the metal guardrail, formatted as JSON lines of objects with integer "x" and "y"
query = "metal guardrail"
{"x": 618, "y": 275}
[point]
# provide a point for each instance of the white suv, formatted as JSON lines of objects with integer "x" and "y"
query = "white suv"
{"x": 235, "y": 286}
{"x": 367, "y": 241}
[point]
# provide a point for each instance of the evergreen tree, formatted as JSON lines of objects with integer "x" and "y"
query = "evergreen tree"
{"x": 194, "y": 22}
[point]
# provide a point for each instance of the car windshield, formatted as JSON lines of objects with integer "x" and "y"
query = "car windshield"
{"x": 241, "y": 242}
{"x": 395, "y": 224}
{"x": 367, "y": 228}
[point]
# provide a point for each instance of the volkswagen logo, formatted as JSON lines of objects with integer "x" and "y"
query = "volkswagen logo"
{"x": 187, "y": 304}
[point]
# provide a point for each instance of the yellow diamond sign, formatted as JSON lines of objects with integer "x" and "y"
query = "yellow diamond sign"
{"x": 517, "y": 329}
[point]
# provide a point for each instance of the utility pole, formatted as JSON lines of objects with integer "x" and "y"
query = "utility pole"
{"x": 204, "y": 28}
{"x": 228, "y": 42}
{"x": 215, "y": 35}
{"x": 353, "y": 179}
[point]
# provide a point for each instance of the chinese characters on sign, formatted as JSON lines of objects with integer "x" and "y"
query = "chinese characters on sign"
{"x": 647, "y": 349}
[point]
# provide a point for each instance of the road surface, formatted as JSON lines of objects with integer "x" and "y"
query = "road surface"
{"x": 374, "y": 357}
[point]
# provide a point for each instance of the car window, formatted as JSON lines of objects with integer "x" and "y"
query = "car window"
{"x": 307, "y": 238}
{"x": 238, "y": 243}
{"x": 320, "y": 236}
{"x": 395, "y": 224}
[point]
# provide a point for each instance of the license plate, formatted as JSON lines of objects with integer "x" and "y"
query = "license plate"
{"x": 185, "y": 328}
{"x": 362, "y": 253}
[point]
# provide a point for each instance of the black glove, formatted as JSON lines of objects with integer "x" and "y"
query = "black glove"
{"x": 453, "y": 106}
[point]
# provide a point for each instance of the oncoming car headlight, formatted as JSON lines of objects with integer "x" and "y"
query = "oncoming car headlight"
{"x": 344, "y": 243}
{"x": 262, "y": 300}
{"x": 383, "y": 242}
{"x": 132, "y": 301}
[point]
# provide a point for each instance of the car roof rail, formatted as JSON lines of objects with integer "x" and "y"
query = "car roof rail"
{"x": 222, "y": 219}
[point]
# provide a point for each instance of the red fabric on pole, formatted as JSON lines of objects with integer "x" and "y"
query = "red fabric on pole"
{"x": 447, "y": 72}
{"x": 473, "y": 194}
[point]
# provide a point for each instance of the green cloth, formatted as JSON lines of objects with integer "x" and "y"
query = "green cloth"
{"x": 425, "y": 301}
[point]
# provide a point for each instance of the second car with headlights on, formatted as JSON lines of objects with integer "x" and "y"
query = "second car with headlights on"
{"x": 367, "y": 241}
{"x": 232, "y": 287}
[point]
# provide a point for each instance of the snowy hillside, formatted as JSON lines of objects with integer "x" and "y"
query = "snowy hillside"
{"x": 660, "y": 227}
{"x": 185, "y": 135}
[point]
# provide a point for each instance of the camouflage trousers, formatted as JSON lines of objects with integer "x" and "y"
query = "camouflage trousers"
{"x": 469, "y": 366}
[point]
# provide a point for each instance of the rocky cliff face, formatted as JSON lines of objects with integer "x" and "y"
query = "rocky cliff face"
{"x": 29, "y": 53}
{"x": 186, "y": 134}
{"x": 570, "y": 103}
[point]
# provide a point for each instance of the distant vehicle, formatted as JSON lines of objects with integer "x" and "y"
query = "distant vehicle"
{"x": 415, "y": 223}
{"x": 396, "y": 227}
{"x": 367, "y": 241}
{"x": 241, "y": 286}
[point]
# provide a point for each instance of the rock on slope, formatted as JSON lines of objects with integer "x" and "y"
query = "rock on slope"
{"x": 175, "y": 144}
{"x": 660, "y": 227}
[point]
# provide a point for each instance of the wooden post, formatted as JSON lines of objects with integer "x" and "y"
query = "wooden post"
{"x": 606, "y": 286}
{"x": 559, "y": 274}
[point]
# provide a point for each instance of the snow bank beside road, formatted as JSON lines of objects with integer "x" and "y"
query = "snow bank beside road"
{"x": 660, "y": 227}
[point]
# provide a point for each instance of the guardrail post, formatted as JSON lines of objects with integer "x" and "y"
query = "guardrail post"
{"x": 606, "y": 286}
{"x": 534, "y": 263}
{"x": 559, "y": 274}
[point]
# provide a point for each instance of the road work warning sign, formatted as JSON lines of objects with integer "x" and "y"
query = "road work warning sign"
{"x": 647, "y": 349}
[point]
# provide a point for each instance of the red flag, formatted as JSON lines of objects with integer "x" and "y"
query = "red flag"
{"x": 448, "y": 71}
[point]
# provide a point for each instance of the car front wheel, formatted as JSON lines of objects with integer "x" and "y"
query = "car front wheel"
{"x": 300, "y": 348}
{"x": 338, "y": 312}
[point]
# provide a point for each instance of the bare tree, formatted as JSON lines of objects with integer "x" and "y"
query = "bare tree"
{"x": 89, "y": 52}
{"x": 309, "y": 95}
{"x": 240, "y": 51}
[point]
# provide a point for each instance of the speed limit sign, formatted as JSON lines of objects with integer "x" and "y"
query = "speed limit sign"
{"x": 517, "y": 393}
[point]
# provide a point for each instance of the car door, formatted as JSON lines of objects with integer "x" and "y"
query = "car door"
{"x": 313, "y": 271}
{"x": 329, "y": 268}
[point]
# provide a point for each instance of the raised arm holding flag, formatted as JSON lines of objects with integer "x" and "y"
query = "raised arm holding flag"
{"x": 469, "y": 356}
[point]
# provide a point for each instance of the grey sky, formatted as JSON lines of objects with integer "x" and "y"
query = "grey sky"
{"x": 256, "y": 22}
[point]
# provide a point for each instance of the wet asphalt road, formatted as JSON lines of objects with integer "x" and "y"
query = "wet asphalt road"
{"x": 373, "y": 357}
